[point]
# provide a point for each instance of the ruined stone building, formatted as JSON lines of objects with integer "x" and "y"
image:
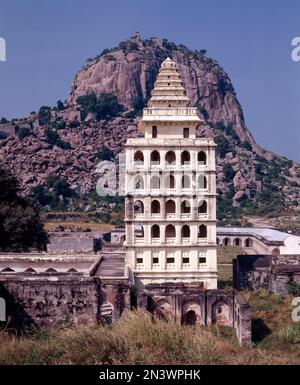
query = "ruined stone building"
{"x": 170, "y": 219}
{"x": 277, "y": 273}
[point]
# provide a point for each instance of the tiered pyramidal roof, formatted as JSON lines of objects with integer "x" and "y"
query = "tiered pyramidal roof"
{"x": 168, "y": 89}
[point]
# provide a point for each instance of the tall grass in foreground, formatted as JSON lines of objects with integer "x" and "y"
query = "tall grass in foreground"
{"x": 138, "y": 338}
{"x": 134, "y": 339}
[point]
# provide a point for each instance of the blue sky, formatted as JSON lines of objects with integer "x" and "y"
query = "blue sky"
{"x": 48, "y": 41}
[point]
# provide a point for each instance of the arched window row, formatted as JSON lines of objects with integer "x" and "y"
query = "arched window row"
{"x": 170, "y": 231}
{"x": 170, "y": 207}
{"x": 170, "y": 182}
{"x": 170, "y": 158}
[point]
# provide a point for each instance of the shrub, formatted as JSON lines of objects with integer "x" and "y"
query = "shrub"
{"x": 20, "y": 225}
{"x": 52, "y": 138}
{"x": 60, "y": 105}
{"x": 223, "y": 145}
{"x": 74, "y": 124}
{"x": 60, "y": 124}
{"x": 44, "y": 115}
{"x": 3, "y": 121}
{"x": 228, "y": 172}
{"x": 105, "y": 154}
{"x": 106, "y": 106}
{"x": 3, "y": 135}
{"x": 23, "y": 132}
{"x": 245, "y": 144}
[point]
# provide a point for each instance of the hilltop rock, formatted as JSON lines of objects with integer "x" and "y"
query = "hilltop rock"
{"x": 245, "y": 171}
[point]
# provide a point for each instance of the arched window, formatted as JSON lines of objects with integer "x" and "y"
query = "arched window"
{"x": 226, "y": 242}
{"x": 248, "y": 242}
{"x": 185, "y": 181}
{"x": 138, "y": 158}
{"x": 155, "y": 207}
{"x": 185, "y": 158}
{"x": 202, "y": 207}
{"x": 170, "y": 231}
{"x": 138, "y": 207}
{"x": 185, "y": 231}
{"x": 201, "y": 158}
{"x": 139, "y": 231}
{"x": 202, "y": 231}
{"x": 155, "y": 182}
{"x": 155, "y": 231}
{"x": 237, "y": 242}
{"x": 155, "y": 158}
{"x": 170, "y": 207}
{"x": 170, "y": 158}
{"x": 185, "y": 207}
{"x": 170, "y": 181}
{"x": 139, "y": 182}
{"x": 202, "y": 182}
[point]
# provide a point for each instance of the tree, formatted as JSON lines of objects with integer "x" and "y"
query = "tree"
{"x": 3, "y": 121}
{"x": 105, "y": 154}
{"x": 23, "y": 132}
{"x": 44, "y": 115}
{"x": 106, "y": 106}
{"x": 228, "y": 172}
{"x": 52, "y": 138}
{"x": 21, "y": 227}
{"x": 60, "y": 105}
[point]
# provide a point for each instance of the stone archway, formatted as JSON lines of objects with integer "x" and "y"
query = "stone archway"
{"x": 220, "y": 313}
{"x": 191, "y": 313}
{"x": 163, "y": 309}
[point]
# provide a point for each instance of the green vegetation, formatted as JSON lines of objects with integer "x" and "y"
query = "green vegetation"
{"x": 105, "y": 154}
{"x": 128, "y": 46}
{"x": 23, "y": 132}
{"x": 53, "y": 138}
{"x": 3, "y": 120}
{"x": 3, "y": 135}
{"x": 20, "y": 224}
{"x": 60, "y": 106}
{"x": 224, "y": 145}
{"x": 55, "y": 193}
{"x": 228, "y": 172}
{"x": 138, "y": 104}
{"x": 44, "y": 115}
{"x": 106, "y": 106}
{"x": 139, "y": 338}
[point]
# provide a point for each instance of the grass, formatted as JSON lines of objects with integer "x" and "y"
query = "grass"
{"x": 138, "y": 338}
{"x": 51, "y": 225}
{"x": 227, "y": 253}
{"x": 225, "y": 257}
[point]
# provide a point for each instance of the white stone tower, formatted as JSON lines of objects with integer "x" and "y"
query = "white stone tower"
{"x": 170, "y": 187}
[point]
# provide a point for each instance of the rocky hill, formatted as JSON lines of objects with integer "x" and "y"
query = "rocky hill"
{"x": 66, "y": 140}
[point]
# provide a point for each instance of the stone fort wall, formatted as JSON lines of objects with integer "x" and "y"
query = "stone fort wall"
{"x": 189, "y": 305}
{"x": 52, "y": 302}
